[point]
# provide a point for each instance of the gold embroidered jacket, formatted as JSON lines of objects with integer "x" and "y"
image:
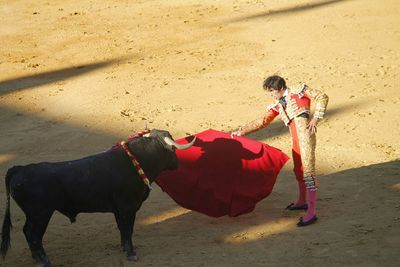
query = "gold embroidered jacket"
{"x": 298, "y": 102}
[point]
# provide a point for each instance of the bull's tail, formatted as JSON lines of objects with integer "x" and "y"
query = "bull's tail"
{"x": 5, "y": 232}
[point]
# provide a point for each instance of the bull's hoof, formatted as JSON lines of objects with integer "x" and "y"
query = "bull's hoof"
{"x": 43, "y": 264}
{"x": 132, "y": 258}
{"x": 42, "y": 259}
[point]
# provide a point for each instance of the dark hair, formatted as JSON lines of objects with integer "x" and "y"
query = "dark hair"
{"x": 274, "y": 82}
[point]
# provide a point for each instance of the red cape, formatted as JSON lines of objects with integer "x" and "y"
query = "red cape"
{"x": 220, "y": 175}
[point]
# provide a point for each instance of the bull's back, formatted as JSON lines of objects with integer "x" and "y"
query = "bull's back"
{"x": 84, "y": 185}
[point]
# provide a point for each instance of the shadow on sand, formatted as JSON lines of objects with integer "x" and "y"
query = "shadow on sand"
{"x": 341, "y": 237}
{"x": 29, "y": 81}
{"x": 288, "y": 10}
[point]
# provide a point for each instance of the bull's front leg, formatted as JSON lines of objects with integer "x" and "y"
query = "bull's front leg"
{"x": 125, "y": 220}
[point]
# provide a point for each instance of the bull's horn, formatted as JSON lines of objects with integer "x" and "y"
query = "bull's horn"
{"x": 171, "y": 142}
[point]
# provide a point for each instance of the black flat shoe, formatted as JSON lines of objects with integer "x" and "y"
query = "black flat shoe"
{"x": 310, "y": 221}
{"x": 293, "y": 207}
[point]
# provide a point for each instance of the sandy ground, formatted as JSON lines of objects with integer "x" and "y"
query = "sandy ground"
{"x": 78, "y": 76}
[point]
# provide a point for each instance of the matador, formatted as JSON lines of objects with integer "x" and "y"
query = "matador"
{"x": 292, "y": 104}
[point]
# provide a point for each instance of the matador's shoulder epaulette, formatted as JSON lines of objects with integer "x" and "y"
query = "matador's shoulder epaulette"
{"x": 299, "y": 89}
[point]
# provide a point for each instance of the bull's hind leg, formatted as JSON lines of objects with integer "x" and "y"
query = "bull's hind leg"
{"x": 125, "y": 221}
{"x": 34, "y": 229}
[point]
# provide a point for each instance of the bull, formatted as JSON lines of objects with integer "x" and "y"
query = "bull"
{"x": 105, "y": 182}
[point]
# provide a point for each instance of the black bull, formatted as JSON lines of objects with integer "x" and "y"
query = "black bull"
{"x": 105, "y": 182}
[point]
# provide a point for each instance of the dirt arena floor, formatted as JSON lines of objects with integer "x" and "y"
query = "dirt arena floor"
{"x": 78, "y": 76}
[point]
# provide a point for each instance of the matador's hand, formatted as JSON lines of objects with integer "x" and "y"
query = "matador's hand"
{"x": 237, "y": 132}
{"x": 312, "y": 126}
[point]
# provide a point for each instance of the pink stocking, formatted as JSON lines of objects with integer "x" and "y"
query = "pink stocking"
{"x": 312, "y": 198}
{"x": 312, "y": 206}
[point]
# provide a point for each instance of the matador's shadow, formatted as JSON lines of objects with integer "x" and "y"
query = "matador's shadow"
{"x": 220, "y": 176}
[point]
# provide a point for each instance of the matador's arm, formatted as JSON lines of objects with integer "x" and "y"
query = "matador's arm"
{"x": 259, "y": 123}
{"x": 320, "y": 98}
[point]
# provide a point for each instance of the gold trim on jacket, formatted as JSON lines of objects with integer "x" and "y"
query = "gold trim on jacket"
{"x": 292, "y": 109}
